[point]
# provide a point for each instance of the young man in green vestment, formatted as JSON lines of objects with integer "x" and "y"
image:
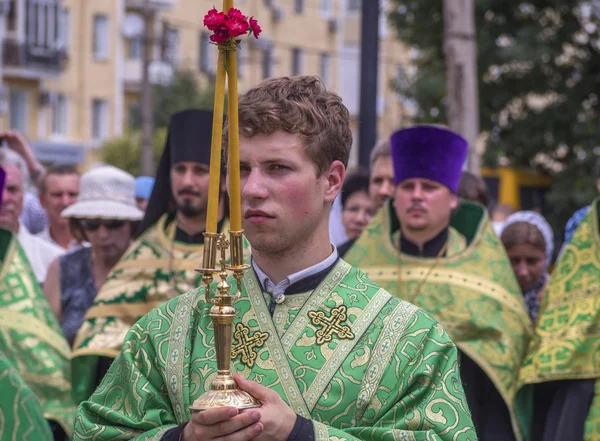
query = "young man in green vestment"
{"x": 161, "y": 263}
{"x": 563, "y": 359}
{"x": 329, "y": 354}
{"x": 32, "y": 344}
{"x": 428, "y": 248}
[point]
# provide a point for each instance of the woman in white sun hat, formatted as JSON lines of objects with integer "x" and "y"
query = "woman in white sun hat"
{"x": 105, "y": 215}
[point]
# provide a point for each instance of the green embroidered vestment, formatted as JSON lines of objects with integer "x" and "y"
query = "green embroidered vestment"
{"x": 566, "y": 342}
{"x": 356, "y": 361}
{"x": 21, "y": 414}
{"x": 30, "y": 337}
{"x": 471, "y": 291}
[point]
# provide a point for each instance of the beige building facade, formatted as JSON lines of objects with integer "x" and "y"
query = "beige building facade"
{"x": 73, "y": 68}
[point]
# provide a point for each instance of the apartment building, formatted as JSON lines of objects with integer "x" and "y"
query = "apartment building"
{"x": 73, "y": 68}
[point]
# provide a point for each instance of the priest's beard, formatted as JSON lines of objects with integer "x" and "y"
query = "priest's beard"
{"x": 188, "y": 209}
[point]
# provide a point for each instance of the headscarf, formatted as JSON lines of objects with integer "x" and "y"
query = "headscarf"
{"x": 188, "y": 139}
{"x": 538, "y": 221}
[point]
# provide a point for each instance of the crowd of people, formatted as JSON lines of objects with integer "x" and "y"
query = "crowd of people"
{"x": 439, "y": 316}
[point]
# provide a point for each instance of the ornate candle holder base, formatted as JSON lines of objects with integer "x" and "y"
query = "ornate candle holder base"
{"x": 230, "y": 396}
{"x": 223, "y": 390}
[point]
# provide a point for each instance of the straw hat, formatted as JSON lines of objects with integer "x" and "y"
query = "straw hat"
{"x": 106, "y": 192}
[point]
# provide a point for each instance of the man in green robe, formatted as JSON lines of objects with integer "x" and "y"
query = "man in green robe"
{"x": 31, "y": 339}
{"x": 21, "y": 414}
{"x": 329, "y": 354}
{"x": 428, "y": 248}
{"x": 161, "y": 263}
{"x": 563, "y": 355}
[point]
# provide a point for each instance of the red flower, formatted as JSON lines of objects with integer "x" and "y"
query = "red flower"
{"x": 236, "y": 15}
{"x": 213, "y": 19}
{"x": 221, "y": 35}
{"x": 256, "y": 30}
{"x": 237, "y": 26}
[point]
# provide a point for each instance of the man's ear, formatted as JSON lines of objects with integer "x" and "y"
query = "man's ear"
{"x": 335, "y": 179}
{"x": 453, "y": 201}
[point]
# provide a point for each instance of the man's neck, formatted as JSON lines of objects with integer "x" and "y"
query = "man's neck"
{"x": 278, "y": 266}
{"x": 61, "y": 235}
{"x": 191, "y": 225}
{"x": 420, "y": 238}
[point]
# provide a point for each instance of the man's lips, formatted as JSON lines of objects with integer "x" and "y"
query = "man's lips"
{"x": 257, "y": 216}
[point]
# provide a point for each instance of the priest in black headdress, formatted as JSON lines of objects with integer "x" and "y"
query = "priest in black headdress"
{"x": 161, "y": 263}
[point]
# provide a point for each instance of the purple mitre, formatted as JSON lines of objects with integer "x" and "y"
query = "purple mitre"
{"x": 428, "y": 152}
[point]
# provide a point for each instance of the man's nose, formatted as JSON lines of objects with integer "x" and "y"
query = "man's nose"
{"x": 254, "y": 186}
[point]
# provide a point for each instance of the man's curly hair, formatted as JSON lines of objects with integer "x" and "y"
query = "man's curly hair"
{"x": 298, "y": 105}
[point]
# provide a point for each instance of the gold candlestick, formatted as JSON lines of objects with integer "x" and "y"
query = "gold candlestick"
{"x": 223, "y": 390}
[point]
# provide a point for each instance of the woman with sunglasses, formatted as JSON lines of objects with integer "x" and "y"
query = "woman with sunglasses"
{"x": 105, "y": 215}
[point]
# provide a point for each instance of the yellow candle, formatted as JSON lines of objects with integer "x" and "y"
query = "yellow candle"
{"x": 212, "y": 211}
{"x": 235, "y": 200}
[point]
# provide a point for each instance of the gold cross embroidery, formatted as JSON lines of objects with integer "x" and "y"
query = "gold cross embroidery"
{"x": 331, "y": 325}
{"x": 247, "y": 344}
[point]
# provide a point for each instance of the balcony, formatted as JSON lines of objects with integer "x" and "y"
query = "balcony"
{"x": 153, "y": 4}
{"x": 25, "y": 60}
{"x": 159, "y": 73}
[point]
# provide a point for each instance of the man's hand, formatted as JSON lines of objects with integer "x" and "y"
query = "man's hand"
{"x": 276, "y": 417}
{"x": 19, "y": 144}
{"x": 223, "y": 424}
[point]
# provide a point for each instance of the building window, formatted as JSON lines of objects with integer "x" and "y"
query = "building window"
{"x": 267, "y": 62}
{"x": 171, "y": 45}
{"x": 325, "y": 68}
{"x": 135, "y": 48}
{"x": 18, "y": 110}
{"x": 354, "y": 5}
{"x": 296, "y": 61}
{"x": 44, "y": 21}
{"x": 240, "y": 64}
{"x": 101, "y": 38}
{"x": 134, "y": 116}
{"x": 60, "y": 116}
{"x": 99, "y": 119}
{"x": 298, "y": 6}
{"x": 11, "y": 20}
{"x": 208, "y": 54}
{"x": 64, "y": 29}
{"x": 326, "y": 8}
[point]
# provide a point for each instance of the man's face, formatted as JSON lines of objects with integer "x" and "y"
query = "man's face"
{"x": 189, "y": 183}
{"x": 381, "y": 185}
{"x": 60, "y": 192}
{"x": 284, "y": 203}
{"x": 423, "y": 205}
{"x": 12, "y": 198}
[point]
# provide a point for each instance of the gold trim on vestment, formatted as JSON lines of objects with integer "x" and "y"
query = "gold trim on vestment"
{"x": 451, "y": 276}
{"x": 276, "y": 350}
{"x": 119, "y": 310}
{"x": 109, "y": 353}
{"x": 18, "y": 321}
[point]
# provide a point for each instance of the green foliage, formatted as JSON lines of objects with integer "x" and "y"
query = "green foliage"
{"x": 125, "y": 152}
{"x": 541, "y": 48}
{"x": 183, "y": 93}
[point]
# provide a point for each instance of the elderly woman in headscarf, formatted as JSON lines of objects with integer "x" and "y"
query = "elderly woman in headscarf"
{"x": 529, "y": 242}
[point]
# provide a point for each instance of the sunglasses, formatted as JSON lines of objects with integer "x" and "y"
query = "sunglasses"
{"x": 93, "y": 225}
